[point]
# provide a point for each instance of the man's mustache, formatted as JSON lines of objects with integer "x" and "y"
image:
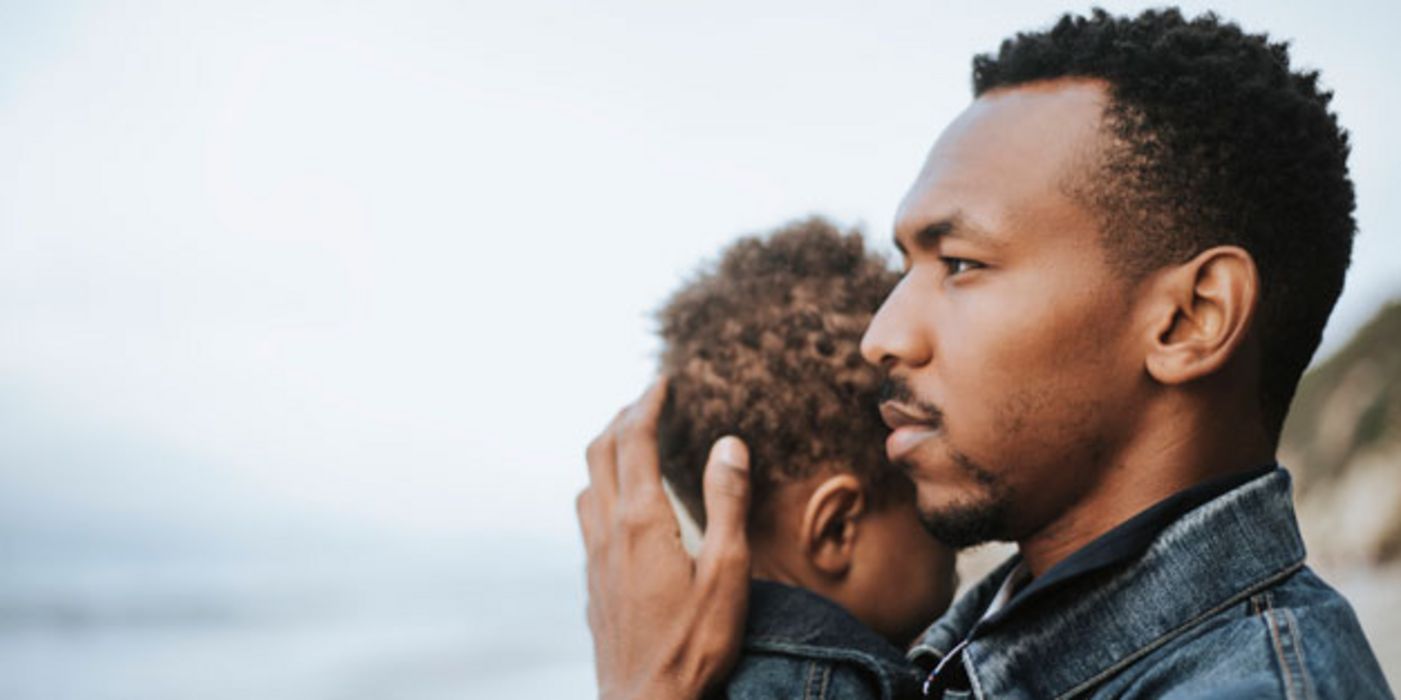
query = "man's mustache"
{"x": 898, "y": 391}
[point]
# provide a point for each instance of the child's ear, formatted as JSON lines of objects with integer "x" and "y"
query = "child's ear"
{"x": 829, "y": 526}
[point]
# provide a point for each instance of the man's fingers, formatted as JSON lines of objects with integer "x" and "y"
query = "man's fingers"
{"x": 639, "y": 477}
{"x": 588, "y": 519}
{"x": 724, "y": 550}
{"x": 602, "y": 456}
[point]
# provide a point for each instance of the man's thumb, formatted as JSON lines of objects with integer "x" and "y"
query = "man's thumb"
{"x": 726, "y": 487}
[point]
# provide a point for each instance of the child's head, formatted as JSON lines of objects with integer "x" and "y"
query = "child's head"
{"x": 765, "y": 346}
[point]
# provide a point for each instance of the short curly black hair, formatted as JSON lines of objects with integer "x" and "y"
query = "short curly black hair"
{"x": 1215, "y": 140}
{"x": 765, "y": 345}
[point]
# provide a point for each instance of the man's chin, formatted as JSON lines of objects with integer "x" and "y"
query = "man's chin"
{"x": 961, "y": 502}
{"x": 967, "y": 523}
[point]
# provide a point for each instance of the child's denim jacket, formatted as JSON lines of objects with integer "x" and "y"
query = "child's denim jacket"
{"x": 798, "y": 644}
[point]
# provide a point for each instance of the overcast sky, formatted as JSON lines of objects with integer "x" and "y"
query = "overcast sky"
{"x": 390, "y": 263}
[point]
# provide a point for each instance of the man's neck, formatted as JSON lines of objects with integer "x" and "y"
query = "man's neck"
{"x": 1145, "y": 474}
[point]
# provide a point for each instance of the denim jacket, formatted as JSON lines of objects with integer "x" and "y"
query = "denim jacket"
{"x": 798, "y": 644}
{"x": 1219, "y": 603}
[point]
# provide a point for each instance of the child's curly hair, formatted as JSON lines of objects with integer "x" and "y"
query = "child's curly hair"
{"x": 765, "y": 346}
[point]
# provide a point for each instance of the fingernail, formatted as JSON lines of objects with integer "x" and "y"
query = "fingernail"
{"x": 730, "y": 450}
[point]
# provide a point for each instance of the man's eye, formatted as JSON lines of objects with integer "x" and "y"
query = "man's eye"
{"x": 959, "y": 265}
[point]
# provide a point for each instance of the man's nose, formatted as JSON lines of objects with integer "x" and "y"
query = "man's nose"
{"x": 898, "y": 334}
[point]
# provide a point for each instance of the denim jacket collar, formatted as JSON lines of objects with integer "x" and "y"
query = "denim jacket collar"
{"x": 1073, "y": 636}
{"x": 797, "y": 622}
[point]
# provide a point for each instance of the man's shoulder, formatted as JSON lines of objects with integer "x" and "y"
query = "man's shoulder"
{"x": 1298, "y": 638}
{"x": 799, "y": 644}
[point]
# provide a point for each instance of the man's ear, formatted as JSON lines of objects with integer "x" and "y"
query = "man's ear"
{"x": 1202, "y": 314}
{"x": 829, "y": 526}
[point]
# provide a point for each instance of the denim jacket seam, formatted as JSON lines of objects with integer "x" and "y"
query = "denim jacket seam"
{"x": 1299, "y": 651}
{"x": 810, "y": 685}
{"x": 1286, "y": 669}
{"x": 1293, "y": 674}
{"x": 1175, "y": 632}
{"x": 1266, "y": 607}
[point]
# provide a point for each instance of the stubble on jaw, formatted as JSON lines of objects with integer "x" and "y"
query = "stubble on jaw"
{"x": 976, "y": 520}
{"x": 970, "y": 521}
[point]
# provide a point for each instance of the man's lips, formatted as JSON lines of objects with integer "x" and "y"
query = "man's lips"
{"x": 908, "y": 428}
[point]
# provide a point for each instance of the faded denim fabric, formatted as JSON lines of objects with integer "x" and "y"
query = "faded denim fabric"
{"x": 798, "y": 644}
{"x": 1219, "y": 605}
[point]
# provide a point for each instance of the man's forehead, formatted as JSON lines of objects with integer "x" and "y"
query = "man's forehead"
{"x": 1006, "y": 150}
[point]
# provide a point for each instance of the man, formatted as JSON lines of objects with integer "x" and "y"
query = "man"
{"x": 1118, "y": 262}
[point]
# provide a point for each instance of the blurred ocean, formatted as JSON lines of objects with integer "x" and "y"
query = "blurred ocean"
{"x": 129, "y": 570}
{"x": 306, "y": 626}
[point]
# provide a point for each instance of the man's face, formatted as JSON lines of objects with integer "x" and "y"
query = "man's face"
{"x": 1009, "y": 341}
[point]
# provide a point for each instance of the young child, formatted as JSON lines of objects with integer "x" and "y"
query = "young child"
{"x": 764, "y": 346}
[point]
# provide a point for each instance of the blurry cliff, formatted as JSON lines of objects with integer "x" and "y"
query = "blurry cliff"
{"x": 1343, "y": 444}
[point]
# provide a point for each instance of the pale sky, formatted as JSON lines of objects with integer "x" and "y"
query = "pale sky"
{"x": 391, "y": 265}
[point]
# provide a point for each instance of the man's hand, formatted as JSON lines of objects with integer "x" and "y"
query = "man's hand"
{"x": 664, "y": 625}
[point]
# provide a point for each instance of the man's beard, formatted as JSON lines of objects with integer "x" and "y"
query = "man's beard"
{"x": 973, "y": 521}
{"x": 964, "y": 523}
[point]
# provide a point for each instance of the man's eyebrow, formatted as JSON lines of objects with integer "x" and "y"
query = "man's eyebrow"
{"x": 928, "y": 238}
